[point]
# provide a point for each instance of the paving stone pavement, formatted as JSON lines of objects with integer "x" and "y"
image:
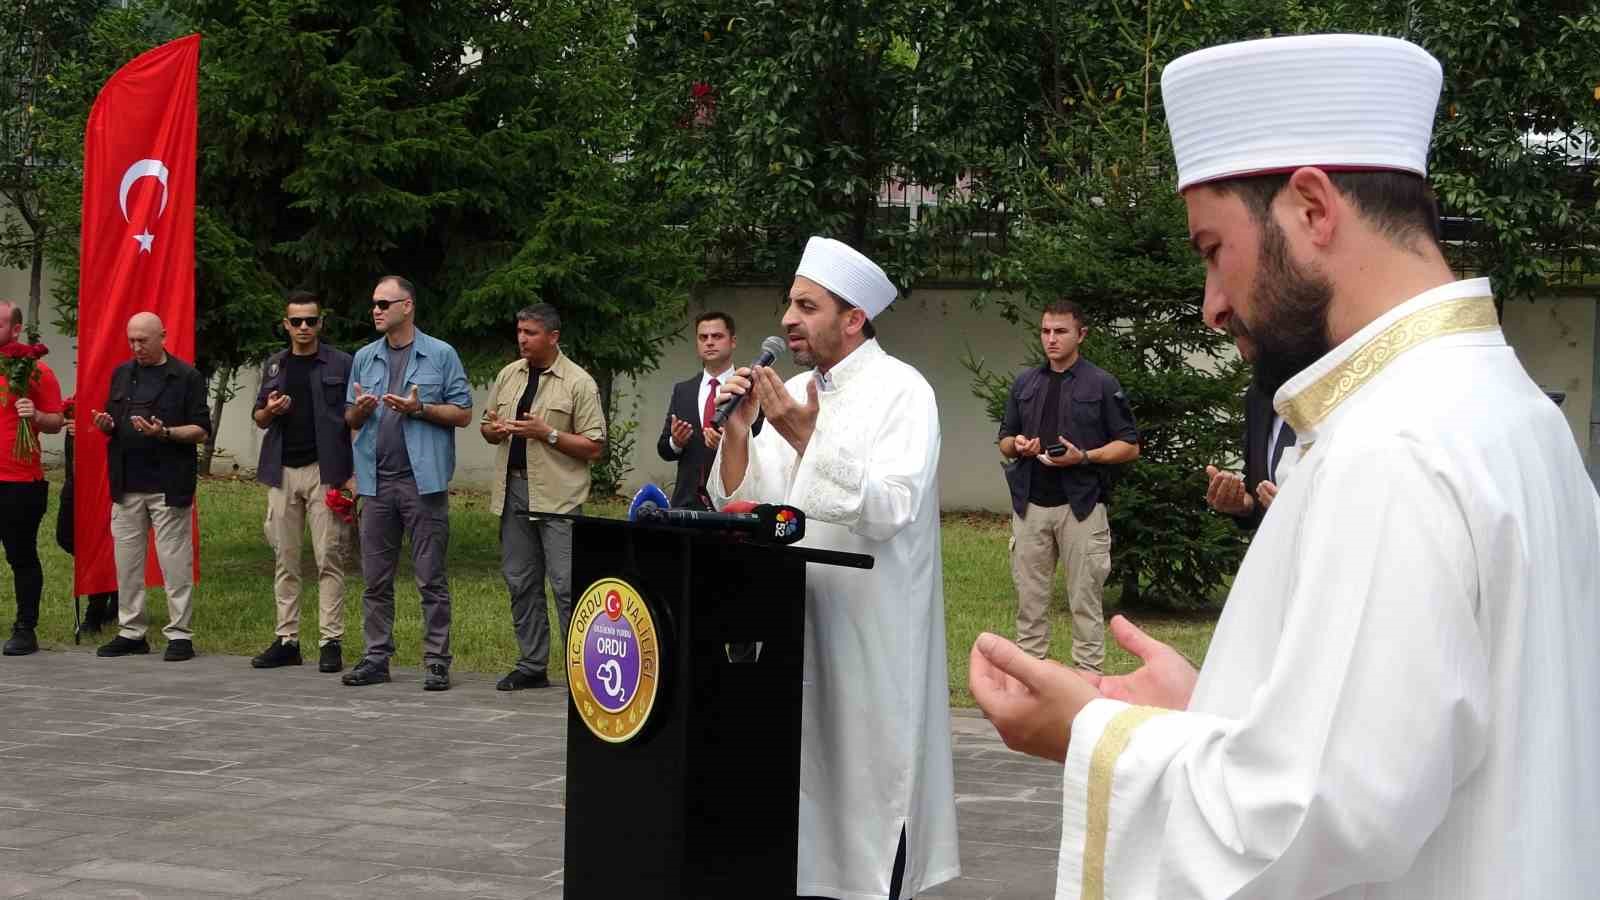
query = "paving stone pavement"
{"x": 136, "y": 777}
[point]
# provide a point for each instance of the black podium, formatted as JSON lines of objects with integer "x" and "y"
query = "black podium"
{"x": 692, "y": 791}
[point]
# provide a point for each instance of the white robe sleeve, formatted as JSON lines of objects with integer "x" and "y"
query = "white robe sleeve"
{"x": 1346, "y": 760}
{"x": 767, "y": 476}
{"x": 875, "y": 484}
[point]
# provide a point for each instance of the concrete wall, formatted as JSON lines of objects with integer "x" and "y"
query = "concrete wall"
{"x": 1554, "y": 336}
{"x": 933, "y": 329}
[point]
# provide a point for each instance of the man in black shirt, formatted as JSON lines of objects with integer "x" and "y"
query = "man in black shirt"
{"x": 1065, "y": 423}
{"x": 305, "y": 452}
{"x": 155, "y": 414}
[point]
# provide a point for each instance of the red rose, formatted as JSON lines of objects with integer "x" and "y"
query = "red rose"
{"x": 700, "y": 89}
{"x": 16, "y": 350}
{"x": 40, "y": 350}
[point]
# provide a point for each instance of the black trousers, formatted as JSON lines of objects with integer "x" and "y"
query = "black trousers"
{"x": 895, "y": 879}
{"x": 22, "y": 505}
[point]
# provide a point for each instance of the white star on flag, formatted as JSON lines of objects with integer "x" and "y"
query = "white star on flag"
{"x": 145, "y": 239}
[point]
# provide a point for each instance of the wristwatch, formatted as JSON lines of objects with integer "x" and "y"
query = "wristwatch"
{"x": 552, "y": 437}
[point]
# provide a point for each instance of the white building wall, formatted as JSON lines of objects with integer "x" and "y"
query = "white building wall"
{"x": 932, "y": 329}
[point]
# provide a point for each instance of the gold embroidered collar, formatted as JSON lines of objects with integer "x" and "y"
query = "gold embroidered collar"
{"x": 1307, "y": 407}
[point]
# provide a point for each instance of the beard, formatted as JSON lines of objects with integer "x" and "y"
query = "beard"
{"x": 1292, "y": 303}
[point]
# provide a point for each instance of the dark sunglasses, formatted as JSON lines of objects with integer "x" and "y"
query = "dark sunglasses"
{"x": 298, "y": 321}
{"x": 383, "y": 305}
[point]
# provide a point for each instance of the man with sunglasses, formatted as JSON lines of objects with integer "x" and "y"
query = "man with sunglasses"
{"x": 304, "y": 452}
{"x": 408, "y": 393}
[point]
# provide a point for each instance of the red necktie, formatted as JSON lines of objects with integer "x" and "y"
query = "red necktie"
{"x": 711, "y": 404}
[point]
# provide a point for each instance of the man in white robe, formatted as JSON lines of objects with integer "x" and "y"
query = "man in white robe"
{"x": 854, "y": 443}
{"x": 1401, "y": 699}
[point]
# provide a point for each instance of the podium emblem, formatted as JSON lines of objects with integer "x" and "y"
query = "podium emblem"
{"x": 613, "y": 660}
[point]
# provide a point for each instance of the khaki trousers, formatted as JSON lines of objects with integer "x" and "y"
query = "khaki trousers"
{"x": 303, "y": 496}
{"x": 131, "y": 521}
{"x": 1038, "y": 539}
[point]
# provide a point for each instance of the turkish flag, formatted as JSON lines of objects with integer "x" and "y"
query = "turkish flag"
{"x": 136, "y": 255}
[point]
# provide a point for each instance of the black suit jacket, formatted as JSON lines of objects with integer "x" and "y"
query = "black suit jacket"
{"x": 1258, "y": 416}
{"x": 694, "y": 460}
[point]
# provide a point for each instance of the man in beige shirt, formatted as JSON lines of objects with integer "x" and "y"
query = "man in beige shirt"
{"x": 544, "y": 414}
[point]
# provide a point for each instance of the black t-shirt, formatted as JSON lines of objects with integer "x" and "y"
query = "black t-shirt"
{"x": 299, "y": 423}
{"x": 1048, "y": 485}
{"x": 519, "y": 445}
{"x": 141, "y": 456}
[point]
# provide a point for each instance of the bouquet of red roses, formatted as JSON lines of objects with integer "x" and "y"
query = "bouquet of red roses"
{"x": 342, "y": 504}
{"x": 19, "y": 363}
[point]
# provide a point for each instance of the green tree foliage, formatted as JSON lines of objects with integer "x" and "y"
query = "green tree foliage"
{"x": 482, "y": 149}
{"x": 37, "y": 38}
{"x": 771, "y": 121}
{"x": 1521, "y": 96}
{"x": 1097, "y": 220}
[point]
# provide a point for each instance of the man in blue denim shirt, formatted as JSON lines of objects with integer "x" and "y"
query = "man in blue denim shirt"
{"x": 407, "y": 394}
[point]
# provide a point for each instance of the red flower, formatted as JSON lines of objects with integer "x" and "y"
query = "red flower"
{"x": 16, "y": 350}
{"x": 341, "y": 504}
{"x": 40, "y": 350}
{"x": 700, "y": 89}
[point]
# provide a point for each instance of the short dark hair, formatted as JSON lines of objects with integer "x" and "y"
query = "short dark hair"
{"x": 1400, "y": 204}
{"x": 1065, "y": 307}
{"x": 708, "y": 316}
{"x": 301, "y": 298}
{"x": 845, "y": 306}
{"x": 402, "y": 283}
{"x": 543, "y": 313}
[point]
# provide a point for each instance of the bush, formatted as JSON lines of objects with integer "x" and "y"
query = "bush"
{"x": 608, "y": 475}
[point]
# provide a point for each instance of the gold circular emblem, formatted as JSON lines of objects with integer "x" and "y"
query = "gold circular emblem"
{"x": 613, "y": 660}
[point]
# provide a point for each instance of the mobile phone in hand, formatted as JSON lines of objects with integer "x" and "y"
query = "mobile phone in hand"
{"x": 1056, "y": 449}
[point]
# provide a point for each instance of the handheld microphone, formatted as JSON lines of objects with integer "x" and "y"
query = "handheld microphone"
{"x": 770, "y": 348}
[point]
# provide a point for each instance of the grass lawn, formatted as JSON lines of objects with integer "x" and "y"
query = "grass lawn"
{"x": 234, "y": 605}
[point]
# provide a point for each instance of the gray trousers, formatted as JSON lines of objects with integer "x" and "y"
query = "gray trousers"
{"x": 530, "y": 551}
{"x": 398, "y": 509}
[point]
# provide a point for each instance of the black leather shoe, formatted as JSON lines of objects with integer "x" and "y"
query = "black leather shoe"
{"x": 22, "y": 642}
{"x": 281, "y": 653}
{"x": 332, "y": 657}
{"x": 366, "y": 672}
{"x": 437, "y": 679}
{"x": 178, "y": 650}
{"x": 518, "y": 680}
{"x": 121, "y": 646}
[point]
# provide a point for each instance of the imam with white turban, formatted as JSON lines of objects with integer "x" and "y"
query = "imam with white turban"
{"x": 875, "y": 756}
{"x": 1401, "y": 700}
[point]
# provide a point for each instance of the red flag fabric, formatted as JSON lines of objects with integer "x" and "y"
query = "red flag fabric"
{"x": 137, "y": 255}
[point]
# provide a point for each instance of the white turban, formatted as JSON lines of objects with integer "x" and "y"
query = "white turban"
{"x": 1342, "y": 102}
{"x": 843, "y": 270}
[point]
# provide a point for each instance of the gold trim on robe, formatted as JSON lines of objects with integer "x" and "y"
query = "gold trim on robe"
{"x": 1306, "y": 409}
{"x": 1102, "y": 764}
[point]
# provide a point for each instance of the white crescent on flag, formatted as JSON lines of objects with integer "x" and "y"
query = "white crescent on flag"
{"x": 144, "y": 168}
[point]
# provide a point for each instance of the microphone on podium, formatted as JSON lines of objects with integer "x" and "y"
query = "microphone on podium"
{"x": 768, "y": 523}
{"x": 647, "y": 496}
{"x": 770, "y": 348}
